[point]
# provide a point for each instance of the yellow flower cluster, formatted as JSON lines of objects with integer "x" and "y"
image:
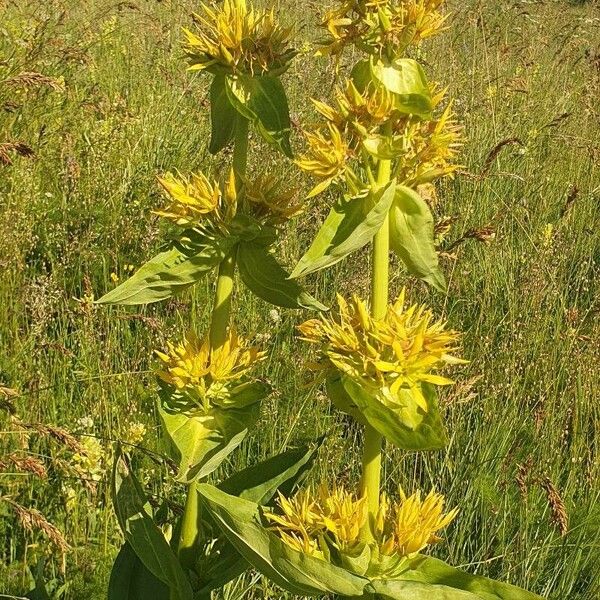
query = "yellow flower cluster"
{"x": 269, "y": 201}
{"x": 204, "y": 375}
{"x": 313, "y": 522}
{"x": 412, "y": 524}
{"x": 423, "y": 150}
{"x": 308, "y": 519}
{"x": 197, "y": 201}
{"x": 384, "y": 28}
{"x": 399, "y": 351}
{"x": 236, "y": 38}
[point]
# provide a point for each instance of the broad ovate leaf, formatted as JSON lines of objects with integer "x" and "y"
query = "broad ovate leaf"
{"x": 412, "y": 236}
{"x": 349, "y": 226}
{"x": 199, "y": 442}
{"x": 406, "y": 79}
{"x": 168, "y": 273}
{"x": 436, "y": 572}
{"x": 398, "y": 416}
{"x": 263, "y": 101}
{"x": 223, "y": 116}
{"x": 241, "y": 522}
{"x": 268, "y": 280}
{"x": 131, "y": 580}
{"x": 391, "y": 589}
{"x": 145, "y": 538}
{"x": 258, "y": 483}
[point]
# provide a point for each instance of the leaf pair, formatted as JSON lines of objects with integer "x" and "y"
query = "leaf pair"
{"x": 299, "y": 573}
{"x": 261, "y": 100}
{"x": 146, "y": 566}
{"x": 174, "y": 270}
{"x": 353, "y": 223}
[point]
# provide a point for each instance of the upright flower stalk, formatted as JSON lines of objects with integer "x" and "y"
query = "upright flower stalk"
{"x": 385, "y": 138}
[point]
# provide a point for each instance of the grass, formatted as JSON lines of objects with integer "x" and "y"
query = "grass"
{"x": 118, "y": 108}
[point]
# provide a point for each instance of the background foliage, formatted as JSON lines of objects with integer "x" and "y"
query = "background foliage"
{"x": 95, "y": 102}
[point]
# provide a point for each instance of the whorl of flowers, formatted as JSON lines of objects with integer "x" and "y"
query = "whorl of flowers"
{"x": 399, "y": 351}
{"x": 411, "y": 524}
{"x": 198, "y": 202}
{"x": 316, "y": 522}
{"x": 209, "y": 377}
{"x": 236, "y": 38}
{"x": 269, "y": 200}
{"x": 383, "y": 28}
{"x": 308, "y": 519}
{"x": 423, "y": 150}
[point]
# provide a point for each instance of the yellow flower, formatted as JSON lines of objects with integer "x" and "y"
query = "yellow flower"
{"x": 326, "y": 157}
{"x": 309, "y": 520}
{"x": 399, "y": 351}
{"x": 237, "y": 38}
{"x": 412, "y": 524}
{"x": 381, "y": 27}
{"x": 197, "y": 201}
{"x": 204, "y": 375}
{"x": 269, "y": 200}
{"x": 429, "y": 147}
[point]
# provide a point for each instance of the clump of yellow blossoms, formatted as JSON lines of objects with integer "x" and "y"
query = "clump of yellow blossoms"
{"x": 423, "y": 150}
{"x": 412, "y": 524}
{"x": 383, "y": 28}
{"x": 308, "y": 518}
{"x": 210, "y": 377}
{"x": 201, "y": 203}
{"x": 238, "y": 39}
{"x": 197, "y": 201}
{"x": 399, "y": 351}
{"x": 315, "y": 523}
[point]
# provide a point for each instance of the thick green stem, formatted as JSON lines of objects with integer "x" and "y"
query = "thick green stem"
{"x": 371, "y": 459}
{"x": 221, "y": 314}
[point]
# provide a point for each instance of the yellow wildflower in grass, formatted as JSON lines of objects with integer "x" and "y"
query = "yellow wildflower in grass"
{"x": 237, "y": 38}
{"x": 268, "y": 199}
{"x": 381, "y": 27}
{"x": 197, "y": 201}
{"x": 326, "y": 156}
{"x": 308, "y": 520}
{"x": 399, "y": 351}
{"x": 204, "y": 375}
{"x": 412, "y": 524}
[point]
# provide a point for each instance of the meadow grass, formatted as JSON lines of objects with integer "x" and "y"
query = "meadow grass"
{"x": 519, "y": 229}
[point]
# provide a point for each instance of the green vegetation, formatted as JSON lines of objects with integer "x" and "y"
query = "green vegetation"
{"x": 95, "y": 103}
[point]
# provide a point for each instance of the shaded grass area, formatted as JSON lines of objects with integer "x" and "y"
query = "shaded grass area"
{"x": 520, "y": 236}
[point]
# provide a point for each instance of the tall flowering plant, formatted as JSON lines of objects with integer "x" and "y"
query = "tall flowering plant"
{"x": 388, "y": 134}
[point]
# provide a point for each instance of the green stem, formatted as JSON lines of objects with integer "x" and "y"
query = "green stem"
{"x": 220, "y": 318}
{"x": 370, "y": 484}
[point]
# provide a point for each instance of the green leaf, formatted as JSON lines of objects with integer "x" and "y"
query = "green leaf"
{"x": 130, "y": 580}
{"x": 402, "y": 422}
{"x": 200, "y": 443}
{"x": 406, "y": 79}
{"x": 411, "y": 237}
{"x": 390, "y": 589}
{"x": 222, "y": 116}
{"x": 259, "y": 482}
{"x": 349, "y": 226}
{"x": 263, "y": 100}
{"x": 240, "y": 521}
{"x": 167, "y": 274}
{"x": 146, "y": 539}
{"x": 437, "y": 572}
{"x": 266, "y": 278}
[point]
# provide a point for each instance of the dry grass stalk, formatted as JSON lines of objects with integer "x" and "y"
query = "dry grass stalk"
{"x": 19, "y": 148}
{"x": 33, "y": 79}
{"x": 59, "y": 434}
{"x": 28, "y": 464}
{"x": 560, "y": 518}
{"x": 33, "y": 520}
